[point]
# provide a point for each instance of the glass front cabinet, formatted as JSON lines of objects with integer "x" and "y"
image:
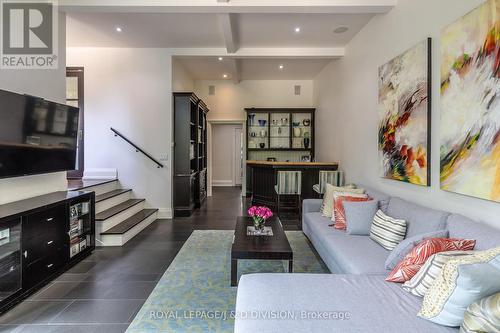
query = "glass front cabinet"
{"x": 280, "y": 135}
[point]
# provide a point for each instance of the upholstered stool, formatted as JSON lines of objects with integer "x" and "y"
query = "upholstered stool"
{"x": 335, "y": 178}
{"x": 289, "y": 183}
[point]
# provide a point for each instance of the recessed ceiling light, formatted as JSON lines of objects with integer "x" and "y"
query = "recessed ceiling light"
{"x": 224, "y": 76}
{"x": 118, "y": 29}
{"x": 297, "y": 29}
{"x": 220, "y": 58}
{"x": 281, "y": 66}
{"x": 340, "y": 30}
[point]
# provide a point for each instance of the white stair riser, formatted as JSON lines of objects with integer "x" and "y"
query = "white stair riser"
{"x": 100, "y": 189}
{"x": 108, "y": 203}
{"x": 102, "y": 226}
{"x": 119, "y": 240}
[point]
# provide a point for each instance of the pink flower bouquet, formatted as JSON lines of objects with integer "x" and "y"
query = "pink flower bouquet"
{"x": 259, "y": 214}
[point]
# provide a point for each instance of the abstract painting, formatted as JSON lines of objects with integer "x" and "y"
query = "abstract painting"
{"x": 404, "y": 110}
{"x": 470, "y": 104}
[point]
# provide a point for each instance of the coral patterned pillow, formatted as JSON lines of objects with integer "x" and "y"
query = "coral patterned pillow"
{"x": 414, "y": 260}
{"x": 338, "y": 208}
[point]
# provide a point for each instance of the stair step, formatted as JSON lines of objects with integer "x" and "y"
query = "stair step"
{"x": 117, "y": 209}
{"x": 129, "y": 223}
{"x": 111, "y": 194}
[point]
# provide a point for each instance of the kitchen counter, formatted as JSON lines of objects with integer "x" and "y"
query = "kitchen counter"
{"x": 263, "y": 179}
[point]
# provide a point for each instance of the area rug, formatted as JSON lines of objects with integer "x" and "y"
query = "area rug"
{"x": 194, "y": 294}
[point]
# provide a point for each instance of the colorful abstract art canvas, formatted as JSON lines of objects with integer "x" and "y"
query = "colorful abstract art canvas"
{"x": 470, "y": 104}
{"x": 404, "y": 110}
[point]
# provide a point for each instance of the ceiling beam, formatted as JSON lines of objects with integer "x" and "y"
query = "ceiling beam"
{"x": 241, "y": 6}
{"x": 229, "y": 28}
{"x": 235, "y": 70}
{"x": 245, "y": 52}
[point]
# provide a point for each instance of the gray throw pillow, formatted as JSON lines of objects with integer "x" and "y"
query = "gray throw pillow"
{"x": 403, "y": 248}
{"x": 359, "y": 216}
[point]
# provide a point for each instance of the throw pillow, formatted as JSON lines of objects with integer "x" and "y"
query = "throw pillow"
{"x": 403, "y": 248}
{"x": 327, "y": 205}
{"x": 359, "y": 216}
{"x": 421, "y": 282}
{"x": 338, "y": 208}
{"x": 414, "y": 260}
{"x": 387, "y": 231}
{"x": 483, "y": 315}
{"x": 460, "y": 283}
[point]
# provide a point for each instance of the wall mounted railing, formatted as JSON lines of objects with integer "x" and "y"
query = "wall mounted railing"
{"x": 137, "y": 148}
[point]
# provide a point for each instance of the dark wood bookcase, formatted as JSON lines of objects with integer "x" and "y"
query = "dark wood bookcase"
{"x": 190, "y": 153}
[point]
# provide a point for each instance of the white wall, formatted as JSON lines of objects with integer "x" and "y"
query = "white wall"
{"x": 181, "y": 78}
{"x": 51, "y": 85}
{"x": 231, "y": 99}
{"x": 346, "y": 94}
{"x": 130, "y": 90}
{"x": 223, "y": 141}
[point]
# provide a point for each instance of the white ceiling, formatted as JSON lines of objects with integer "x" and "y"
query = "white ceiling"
{"x": 203, "y": 30}
{"x": 210, "y": 68}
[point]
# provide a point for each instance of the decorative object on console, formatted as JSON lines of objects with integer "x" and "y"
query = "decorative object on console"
{"x": 470, "y": 109}
{"x": 414, "y": 260}
{"x": 259, "y": 214}
{"x": 483, "y": 315}
{"x": 296, "y": 124}
{"x": 420, "y": 282}
{"x": 262, "y": 122}
{"x": 404, "y": 110}
{"x": 403, "y": 248}
{"x": 306, "y": 122}
{"x": 387, "y": 231}
{"x": 262, "y": 145}
{"x": 461, "y": 282}
{"x": 307, "y": 142}
{"x": 338, "y": 208}
{"x": 305, "y": 158}
{"x": 297, "y": 132}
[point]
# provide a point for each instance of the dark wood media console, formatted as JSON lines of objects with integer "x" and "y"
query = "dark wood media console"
{"x": 40, "y": 238}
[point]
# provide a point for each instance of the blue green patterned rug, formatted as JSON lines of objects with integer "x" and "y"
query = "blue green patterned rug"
{"x": 194, "y": 294}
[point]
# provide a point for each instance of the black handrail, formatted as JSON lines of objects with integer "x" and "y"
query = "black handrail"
{"x": 137, "y": 148}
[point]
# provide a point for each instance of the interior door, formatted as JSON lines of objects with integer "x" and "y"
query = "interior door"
{"x": 75, "y": 97}
{"x": 238, "y": 156}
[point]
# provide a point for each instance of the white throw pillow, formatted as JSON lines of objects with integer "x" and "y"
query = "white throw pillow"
{"x": 327, "y": 205}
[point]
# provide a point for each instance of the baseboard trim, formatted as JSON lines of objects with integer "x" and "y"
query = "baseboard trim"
{"x": 165, "y": 213}
{"x": 222, "y": 183}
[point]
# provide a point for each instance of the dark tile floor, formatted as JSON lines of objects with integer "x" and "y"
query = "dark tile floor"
{"x": 104, "y": 292}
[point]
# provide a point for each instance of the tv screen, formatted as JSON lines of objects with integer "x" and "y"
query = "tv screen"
{"x": 36, "y": 136}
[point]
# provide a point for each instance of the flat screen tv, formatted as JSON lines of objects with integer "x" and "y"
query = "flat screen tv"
{"x": 36, "y": 136}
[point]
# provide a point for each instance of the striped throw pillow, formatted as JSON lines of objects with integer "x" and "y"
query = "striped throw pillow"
{"x": 387, "y": 231}
{"x": 426, "y": 275}
{"x": 483, "y": 316}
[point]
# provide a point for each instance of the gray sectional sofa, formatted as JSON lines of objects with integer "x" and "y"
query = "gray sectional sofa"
{"x": 356, "y": 288}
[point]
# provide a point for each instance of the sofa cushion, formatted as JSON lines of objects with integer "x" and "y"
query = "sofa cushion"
{"x": 338, "y": 208}
{"x": 403, "y": 248}
{"x": 345, "y": 253}
{"x": 420, "y": 219}
{"x": 359, "y": 216}
{"x": 483, "y": 315}
{"x": 387, "y": 231}
{"x": 461, "y": 227}
{"x": 357, "y": 303}
{"x": 382, "y": 198}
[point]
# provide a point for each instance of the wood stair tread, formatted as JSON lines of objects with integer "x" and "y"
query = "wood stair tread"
{"x": 129, "y": 223}
{"x": 117, "y": 209}
{"x": 111, "y": 194}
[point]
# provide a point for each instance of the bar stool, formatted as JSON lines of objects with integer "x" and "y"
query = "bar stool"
{"x": 335, "y": 178}
{"x": 289, "y": 183}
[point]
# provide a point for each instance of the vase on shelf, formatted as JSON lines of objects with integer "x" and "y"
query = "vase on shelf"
{"x": 251, "y": 118}
{"x": 297, "y": 132}
{"x": 307, "y": 142}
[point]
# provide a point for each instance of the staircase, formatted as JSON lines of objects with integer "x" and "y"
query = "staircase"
{"x": 119, "y": 216}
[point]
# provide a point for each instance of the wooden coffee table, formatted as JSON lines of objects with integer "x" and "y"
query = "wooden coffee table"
{"x": 275, "y": 247}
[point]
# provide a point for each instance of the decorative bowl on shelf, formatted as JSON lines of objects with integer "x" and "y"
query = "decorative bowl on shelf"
{"x": 262, "y": 122}
{"x": 262, "y": 145}
{"x": 296, "y": 123}
{"x": 306, "y": 122}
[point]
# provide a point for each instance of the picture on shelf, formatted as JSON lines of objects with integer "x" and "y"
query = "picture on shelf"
{"x": 470, "y": 104}
{"x": 305, "y": 158}
{"x": 404, "y": 112}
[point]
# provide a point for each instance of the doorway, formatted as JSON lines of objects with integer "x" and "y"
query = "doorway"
{"x": 75, "y": 97}
{"x": 226, "y": 164}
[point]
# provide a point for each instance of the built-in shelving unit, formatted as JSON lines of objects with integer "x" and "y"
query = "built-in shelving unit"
{"x": 190, "y": 153}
